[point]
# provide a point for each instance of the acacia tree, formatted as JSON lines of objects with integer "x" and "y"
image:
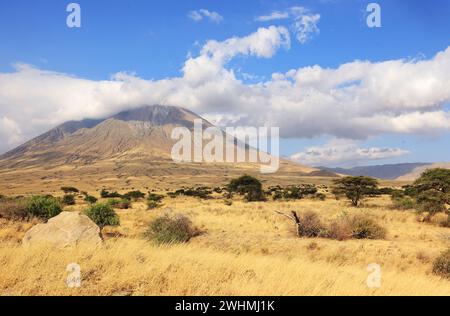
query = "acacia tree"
{"x": 355, "y": 188}
{"x": 432, "y": 190}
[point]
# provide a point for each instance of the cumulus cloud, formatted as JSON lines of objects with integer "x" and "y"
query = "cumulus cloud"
{"x": 339, "y": 151}
{"x": 198, "y": 15}
{"x": 305, "y": 24}
{"x": 356, "y": 100}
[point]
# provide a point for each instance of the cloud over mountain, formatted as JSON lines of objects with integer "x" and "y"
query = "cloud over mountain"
{"x": 356, "y": 100}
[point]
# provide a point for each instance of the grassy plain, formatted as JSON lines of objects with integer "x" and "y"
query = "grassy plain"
{"x": 245, "y": 249}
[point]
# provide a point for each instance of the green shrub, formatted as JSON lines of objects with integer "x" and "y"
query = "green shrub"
{"x": 167, "y": 230}
{"x": 200, "y": 192}
{"x": 103, "y": 215}
{"x": 432, "y": 202}
{"x": 68, "y": 199}
{"x": 13, "y": 208}
{"x": 244, "y": 184}
{"x": 122, "y": 204}
{"x": 67, "y": 190}
{"x": 402, "y": 202}
{"x": 90, "y": 199}
{"x": 106, "y": 194}
{"x": 44, "y": 207}
{"x": 134, "y": 195}
{"x": 441, "y": 265}
{"x": 155, "y": 197}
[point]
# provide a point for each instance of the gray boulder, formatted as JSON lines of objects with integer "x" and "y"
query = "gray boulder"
{"x": 65, "y": 230}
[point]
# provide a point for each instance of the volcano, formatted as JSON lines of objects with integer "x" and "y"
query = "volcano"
{"x": 132, "y": 147}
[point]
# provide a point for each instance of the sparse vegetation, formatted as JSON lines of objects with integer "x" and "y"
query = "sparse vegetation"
{"x": 122, "y": 204}
{"x": 106, "y": 194}
{"x": 103, "y": 215}
{"x": 355, "y": 188}
{"x": 310, "y": 225}
{"x": 13, "y": 208}
{"x": 134, "y": 195}
{"x": 167, "y": 230}
{"x": 68, "y": 199}
{"x": 90, "y": 199}
{"x": 199, "y": 192}
{"x": 402, "y": 201}
{"x": 441, "y": 266}
{"x": 154, "y": 200}
{"x": 43, "y": 207}
{"x": 68, "y": 190}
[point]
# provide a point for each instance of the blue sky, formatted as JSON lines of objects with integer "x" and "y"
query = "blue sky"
{"x": 153, "y": 39}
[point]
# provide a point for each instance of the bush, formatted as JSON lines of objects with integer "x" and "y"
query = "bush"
{"x": 44, "y": 207}
{"x": 134, "y": 195}
{"x": 122, "y": 204}
{"x": 402, "y": 202}
{"x": 105, "y": 194}
{"x": 155, "y": 197}
{"x": 154, "y": 200}
{"x": 363, "y": 227}
{"x": 320, "y": 196}
{"x": 357, "y": 226}
{"x": 339, "y": 229}
{"x": 255, "y": 195}
{"x": 153, "y": 204}
{"x": 441, "y": 265}
{"x": 13, "y": 209}
{"x": 200, "y": 192}
{"x": 68, "y": 199}
{"x": 310, "y": 225}
{"x": 103, "y": 215}
{"x": 432, "y": 202}
{"x": 166, "y": 230}
{"x": 90, "y": 199}
{"x": 248, "y": 186}
{"x": 67, "y": 190}
{"x": 244, "y": 184}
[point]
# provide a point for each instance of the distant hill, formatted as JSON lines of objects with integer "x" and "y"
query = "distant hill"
{"x": 403, "y": 171}
{"x": 416, "y": 172}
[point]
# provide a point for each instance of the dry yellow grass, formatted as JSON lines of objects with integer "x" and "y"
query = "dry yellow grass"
{"x": 246, "y": 250}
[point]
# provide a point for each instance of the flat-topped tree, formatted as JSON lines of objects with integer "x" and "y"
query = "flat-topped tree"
{"x": 355, "y": 188}
{"x": 432, "y": 190}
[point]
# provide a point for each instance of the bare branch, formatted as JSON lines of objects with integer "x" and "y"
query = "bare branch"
{"x": 283, "y": 214}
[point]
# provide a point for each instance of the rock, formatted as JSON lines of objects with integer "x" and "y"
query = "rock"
{"x": 65, "y": 230}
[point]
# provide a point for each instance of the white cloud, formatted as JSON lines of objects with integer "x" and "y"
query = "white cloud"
{"x": 304, "y": 25}
{"x": 339, "y": 151}
{"x": 198, "y": 15}
{"x": 275, "y": 15}
{"x": 355, "y": 100}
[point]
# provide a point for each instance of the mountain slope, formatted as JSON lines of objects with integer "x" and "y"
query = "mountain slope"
{"x": 402, "y": 171}
{"x": 416, "y": 172}
{"x": 131, "y": 148}
{"x": 143, "y": 132}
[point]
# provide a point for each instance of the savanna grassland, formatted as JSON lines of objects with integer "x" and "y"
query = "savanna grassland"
{"x": 243, "y": 249}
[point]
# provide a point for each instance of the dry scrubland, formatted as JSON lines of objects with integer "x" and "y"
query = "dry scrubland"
{"x": 245, "y": 249}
